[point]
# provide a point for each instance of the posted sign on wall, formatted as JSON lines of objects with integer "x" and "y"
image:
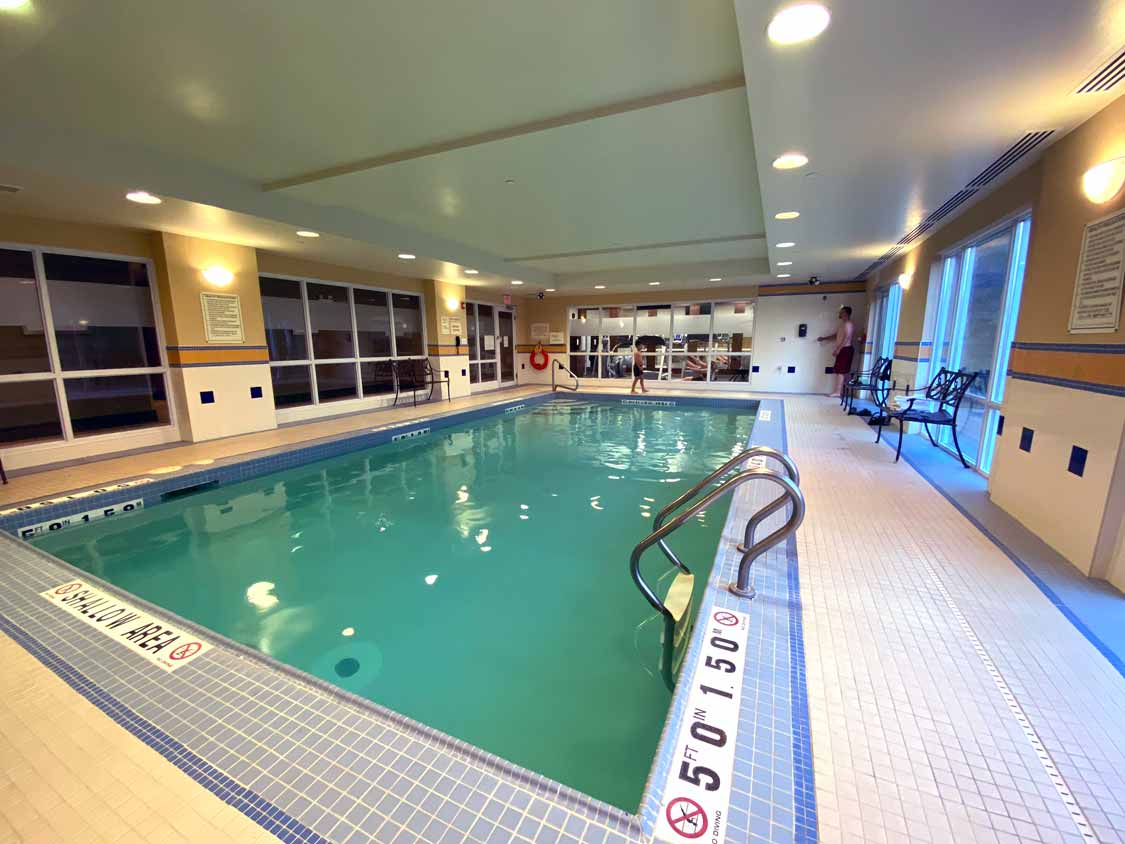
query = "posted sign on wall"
{"x": 162, "y": 645}
{"x": 222, "y": 317}
{"x": 1096, "y": 307}
{"x": 696, "y": 798}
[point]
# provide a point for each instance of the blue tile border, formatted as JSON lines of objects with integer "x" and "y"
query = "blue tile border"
{"x": 1094, "y": 348}
{"x": 1116, "y": 661}
{"x": 1069, "y": 383}
{"x": 804, "y": 780}
{"x": 250, "y": 804}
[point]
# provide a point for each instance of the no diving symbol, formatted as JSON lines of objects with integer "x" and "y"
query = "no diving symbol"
{"x": 727, "y": 619}
{"x": 185, "y": 650}
{"x": 68, "y": 588}
{"x": 686, "y": 817}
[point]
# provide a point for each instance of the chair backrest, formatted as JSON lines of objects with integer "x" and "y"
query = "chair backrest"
{"x": 410, "y": 372}
{"x": 949, "y": 387}
{"x": 881, "y": 371}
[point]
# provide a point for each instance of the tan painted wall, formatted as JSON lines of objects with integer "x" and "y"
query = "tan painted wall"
{"x": 115, "y": 240}
{"x": 272, "y": 262}
{"x": 1051, "y": 189}
{"x": 1018, "y": 194}
{"x": 180, "y": 276}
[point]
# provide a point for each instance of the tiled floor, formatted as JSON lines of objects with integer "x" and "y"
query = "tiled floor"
{"x": 949, "y": 700}
{"x": 68, "y": 773}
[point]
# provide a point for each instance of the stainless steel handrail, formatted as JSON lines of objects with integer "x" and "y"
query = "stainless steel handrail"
{"x": 555, "y": 386}
{"x": 753, "y": 451}
{"x": 791, "y": 492}
{"x": 663, "y": 531}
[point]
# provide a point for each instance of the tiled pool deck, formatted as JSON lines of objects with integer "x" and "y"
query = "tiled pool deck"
{"x": 311, "y": 763}
{"x": 905, "y": 682}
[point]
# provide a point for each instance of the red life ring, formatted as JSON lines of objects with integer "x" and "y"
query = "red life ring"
{"x": 543, "y": 360}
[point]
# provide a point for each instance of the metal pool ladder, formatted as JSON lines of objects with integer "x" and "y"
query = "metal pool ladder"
{"x": 554, "y": 387}
{"x": 675, "y": 608}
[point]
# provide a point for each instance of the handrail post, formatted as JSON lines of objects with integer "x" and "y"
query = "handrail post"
{"x": 741, "y": 586}
{"x": 742, "y": 457}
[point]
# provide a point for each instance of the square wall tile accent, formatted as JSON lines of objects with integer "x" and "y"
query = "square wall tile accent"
{"x": 1025, "y": 439}
{"x": 255, "y": 392}
{"x": 791, "y": 369}
{"x": 1000, "y": 425}
{"x": 207, "y": 397}
{"x": 755, "y": 368}
{"x": 1077, "y": 464}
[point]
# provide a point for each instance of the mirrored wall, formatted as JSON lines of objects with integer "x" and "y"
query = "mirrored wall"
{"x": 694, "y": 341}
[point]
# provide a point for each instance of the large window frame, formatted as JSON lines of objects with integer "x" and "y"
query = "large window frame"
{"x": 712, "y": 355}
{"x": 92, "y": 442}
{"x": 310, "y": 362}
{"x": 887, "y": 310}
{"x": 958, "y": 265}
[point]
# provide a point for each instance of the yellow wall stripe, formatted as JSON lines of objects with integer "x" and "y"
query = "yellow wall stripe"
{"x": 1091, "y": 367}
{"x": 188, "y": 357}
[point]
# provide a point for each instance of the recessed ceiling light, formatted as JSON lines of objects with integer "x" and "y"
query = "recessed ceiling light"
{"x": 406, "y": 256}
{"x": 549, "y": 290}
{"x": 784, "y": 275}
{"x": 472, "y": 272}
{"x": 785, "y": 263}
{"x": 509, "y": 181}
{"x": 790, "y": 161}
{"x": 654, "y": 284}
{"x": 516, "y": 281}
{"x": 787, "y": 215}
{"x": 13, "y": 5}
{"x": 307, "y": 233}
{"x": 714, "y": 279}
{"x": 785, "y": 244}
{"x": 141, "y": 196}
{"x": 599, "y": 287}
{"x": 798, "y": 23}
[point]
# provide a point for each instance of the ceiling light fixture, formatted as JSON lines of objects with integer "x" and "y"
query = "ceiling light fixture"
{"x": 516, "y": 281}
{"x": 599, "y": 287}
{"x": 715, "y": 279}
{"x": 790, "y": 161}
{"x": 799, "y": 23}
{"x": 654, "y": 284}
{"x": 787, "y": 215}
{"x": 143, "y": 197}
{"x": 549, "y": 290}
{"x": 785, "y": 263}
{"x": 785, "y": 244}
{"x": 14, "y": 5}
{"x": 406, "y": 256}
{"x": 307, "y": 233}
{"x": 1104, "y": 181}
{"x": 784, "y": 275}
{"x": 472, "y": 272}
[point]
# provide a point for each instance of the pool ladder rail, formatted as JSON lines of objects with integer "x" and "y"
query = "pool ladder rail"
{"x": 674, "y": 608}
{"x": 558, "y": 364}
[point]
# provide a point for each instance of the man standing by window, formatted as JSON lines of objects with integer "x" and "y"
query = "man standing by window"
{"x": 843, "y": 351}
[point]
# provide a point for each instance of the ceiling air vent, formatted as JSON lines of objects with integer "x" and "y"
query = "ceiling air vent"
{"x": 1013, "y": 154}
{"x": 916, "y": 232}
{"x": 10, "y": 188}
{"x": 955, "y": 201}
{"x": 1105, "y": 77}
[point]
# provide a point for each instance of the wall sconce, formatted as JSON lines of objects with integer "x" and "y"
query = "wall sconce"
{"x": 218, "y": 276}
{"x": 1103, "y": 182}
{"x": 904, "y": 280}
{"x": 452, "y": 303}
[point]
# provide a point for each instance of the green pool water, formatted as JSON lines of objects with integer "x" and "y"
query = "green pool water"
{"x": 475, "y": 579}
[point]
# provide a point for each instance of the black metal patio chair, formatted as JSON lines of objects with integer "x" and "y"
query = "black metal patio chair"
{"x": 946, "y": 392}
{"x": 416, "y": 374}
{"x": 875, "y": 380}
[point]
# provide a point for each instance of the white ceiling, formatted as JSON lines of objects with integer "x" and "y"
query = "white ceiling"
{"x": 898, "y": 104}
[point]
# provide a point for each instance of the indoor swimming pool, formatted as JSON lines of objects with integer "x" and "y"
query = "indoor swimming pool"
{"x": 474, "y": 578}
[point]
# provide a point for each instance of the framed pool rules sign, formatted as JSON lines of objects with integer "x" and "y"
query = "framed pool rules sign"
{"x": 1096, "y": 308}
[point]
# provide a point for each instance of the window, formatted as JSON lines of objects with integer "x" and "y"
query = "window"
{"x": 981, "y": 288}
{"x": 888, "y": 305}
{"x": 332, "y": 342}
{"x": 698, "y": 341}
{"x": 79, "y": 347}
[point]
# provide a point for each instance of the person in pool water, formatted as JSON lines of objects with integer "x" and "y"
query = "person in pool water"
{"x": 638, "y": 369}
{"x": 844, "y": 349}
